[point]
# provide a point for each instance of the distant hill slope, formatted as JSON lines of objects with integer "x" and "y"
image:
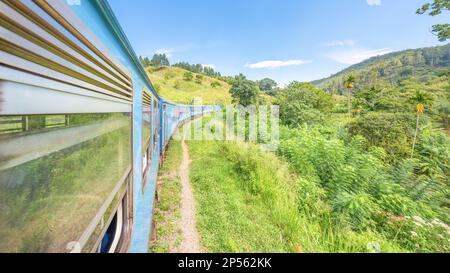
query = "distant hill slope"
{"x": 422, "y": 64}
{"x": 171, "y": 85}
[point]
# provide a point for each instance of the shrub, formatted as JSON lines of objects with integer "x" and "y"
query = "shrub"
{"x": 198, "y": 79}
{"x": 392, "y": 131}
{"x": 188, "y": 76}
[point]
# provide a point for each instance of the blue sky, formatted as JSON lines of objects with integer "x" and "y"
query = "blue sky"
{"x": 285, "y": 40}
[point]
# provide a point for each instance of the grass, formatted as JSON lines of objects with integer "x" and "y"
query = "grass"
{"x": 230, "y": 219}
{"x": 171, "y": 85}
{"x": 250, "y": 201}
{"x": 167, "y": 210}
{"x": 253, "y": 201}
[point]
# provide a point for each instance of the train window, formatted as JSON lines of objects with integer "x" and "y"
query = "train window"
{"x": 144, "y": 161}
{"x": 164, "y": 125}
{"x": 65, "y": 172}
{"x": 156, "y": 118}
{"x": 110, "y": 240}
{"x": 146, "y": 132}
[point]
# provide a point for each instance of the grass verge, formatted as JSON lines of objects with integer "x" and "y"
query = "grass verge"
{"x": 250, "y": 201}
{"x": 167, "y": 210}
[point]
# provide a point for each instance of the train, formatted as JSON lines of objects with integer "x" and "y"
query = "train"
{"x": 82, "y": 131}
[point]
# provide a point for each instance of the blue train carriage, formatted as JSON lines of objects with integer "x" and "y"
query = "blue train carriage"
{"x": 81, "y": 131}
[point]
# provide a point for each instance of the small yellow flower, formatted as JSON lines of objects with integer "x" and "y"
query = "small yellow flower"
{"x": 420, "y": 108}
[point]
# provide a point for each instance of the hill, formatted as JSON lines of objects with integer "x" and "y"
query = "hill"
{"x": 171, "y": 84}
{"x": 423, "y": 64}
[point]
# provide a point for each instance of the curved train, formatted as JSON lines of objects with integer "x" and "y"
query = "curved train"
{"x": 82, "y": 130}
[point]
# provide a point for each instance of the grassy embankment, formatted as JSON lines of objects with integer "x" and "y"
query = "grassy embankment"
{"x": 172, "y": 85}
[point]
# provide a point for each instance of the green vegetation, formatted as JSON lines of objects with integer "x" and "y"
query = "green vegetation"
{"x": 363, "y": 194}
{"x": 172, "y": 85}
{"x": 436, "y": 8}
{"x": 198, "y": 69}
{"x": 420, "y": 64}
{"x": 249, "y": 201}
{"x": 215, "y": 84}
{"x": 384, "y": 170}
{"x": 268, "y": 86}
{"x": 158, "y": 60}
{"x": 167, "y": 210}
{"x": 303, "y": 103}
{"x": 188, "y": 76}
{"x": 363, "y": 163}
{"x": 243, "y": 91}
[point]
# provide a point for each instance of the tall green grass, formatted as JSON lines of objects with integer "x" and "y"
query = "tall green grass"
{"x": 249, "y": 201}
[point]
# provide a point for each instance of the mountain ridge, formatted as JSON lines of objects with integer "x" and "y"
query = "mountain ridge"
{"x": 421, "y": 63}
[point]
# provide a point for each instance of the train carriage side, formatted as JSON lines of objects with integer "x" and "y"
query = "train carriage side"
{"x": 81, "y": 131}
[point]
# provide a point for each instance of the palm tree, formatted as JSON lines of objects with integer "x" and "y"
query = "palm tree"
{"x": 349, "y": 84}
{"x": 420, "y": 99}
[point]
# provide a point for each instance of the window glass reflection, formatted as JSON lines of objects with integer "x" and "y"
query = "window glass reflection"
{"x": 55, "y": 173}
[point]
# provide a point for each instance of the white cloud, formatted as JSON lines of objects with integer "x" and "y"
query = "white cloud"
{"x": 167, "y": 51}
{"x": 341, "y": 43}
{"x": 209, "y": 66}
{"x": 355, "y": 56}
{"x": 276, "y": 64}
{"x": 374, "y": 2}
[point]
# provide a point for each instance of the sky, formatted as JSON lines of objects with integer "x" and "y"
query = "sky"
{"x": 285, "y": 40}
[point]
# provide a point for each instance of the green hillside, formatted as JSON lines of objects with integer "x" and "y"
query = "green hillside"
{"x": 171, "y": 84}
{"x": 421, "y": 64}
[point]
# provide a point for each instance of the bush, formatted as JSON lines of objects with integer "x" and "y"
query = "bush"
{"x": 392, "y": 131}
{"x": 198, "y": 79}
{"x": 188, "y": 76}
{"x": 215, "y": 84}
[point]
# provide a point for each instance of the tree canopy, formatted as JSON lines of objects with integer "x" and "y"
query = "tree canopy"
{"x": 436, "y": 8}
{"x": 303, "y": 103}
{"x": 243, "y": 91}
{"x": 159, "y": 60}
{"x": 267, "y": 85}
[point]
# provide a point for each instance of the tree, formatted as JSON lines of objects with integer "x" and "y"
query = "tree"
{"x": 349, "y": 84}
{"x": 435, "y": 8}
{"x": 159, "y": 60}
{"x": 420, "y": 99}
{"x": 145, "y": 61}
{"x": 188, "y": 76}
{"x": 267, "y": 85}
{"x": 244, "y": 91}
{"x": 303, "y": 103}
